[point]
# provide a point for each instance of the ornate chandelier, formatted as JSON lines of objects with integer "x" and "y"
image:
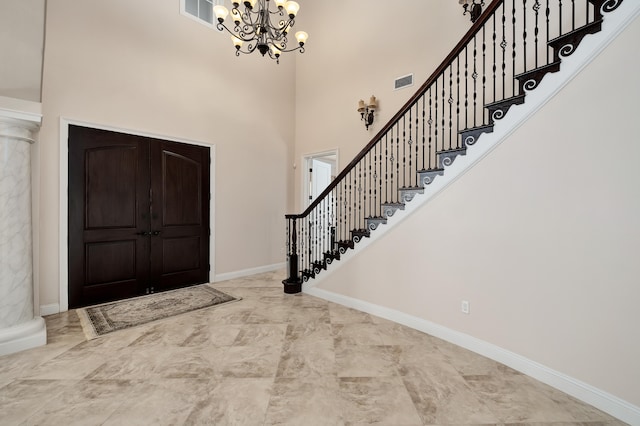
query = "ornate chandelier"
{"x": 254, "y": 26}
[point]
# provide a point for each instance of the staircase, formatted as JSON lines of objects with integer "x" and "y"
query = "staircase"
{"x": 493, "y": 71}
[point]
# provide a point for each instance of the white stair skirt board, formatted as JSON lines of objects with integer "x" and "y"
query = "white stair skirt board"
{"x": 23, "y": 336}
{"x": 251, "y": 271}
{"x": 591, "y": 395}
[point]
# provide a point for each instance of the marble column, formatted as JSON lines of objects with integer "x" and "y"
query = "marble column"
{"x": 20, "y": 327}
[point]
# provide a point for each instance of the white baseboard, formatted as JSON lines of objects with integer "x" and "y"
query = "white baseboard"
{"x": 591, "y": 395}
{"x": 251, "y": 271}
{"x": 23, "y": 336}
{"x": 51, "y": 309}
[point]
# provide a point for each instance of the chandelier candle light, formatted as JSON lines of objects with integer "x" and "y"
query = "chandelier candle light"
{"x": 254, "y": 26}
{"x": 366, "y": 111}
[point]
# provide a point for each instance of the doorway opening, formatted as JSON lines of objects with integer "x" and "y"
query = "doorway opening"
{"x": 320, "y": 169}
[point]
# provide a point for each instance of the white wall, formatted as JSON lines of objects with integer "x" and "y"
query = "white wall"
{"x": 141, "y": 66}
{"x": 21, "y": 44}
{"x": 542, "y": 237}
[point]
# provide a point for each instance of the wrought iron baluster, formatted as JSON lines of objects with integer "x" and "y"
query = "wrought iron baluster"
{"x": 345, "y": 211}
{"x": 316, "y": 235}
{"x": 430, "y": 129}
{"x": 536, "y": 9}
{"x": 386, "y": 168}
{"x": 306, "y": 240}
{"x": 466, "y": 89}
{"x": 573, "y": 14}
{"x": 547, "y": 13}
{"x": 435, "y": 123}
{"x": 340, "y": 213}
{"x": 323, "y": 227}
{"x": 474, "y": 76}
{"x": 457, "y": 94}
{"x": 378, "y": 204}
{"x": 424, "y": 136}
{"x": 361, "y": 194}
{"x": 404, "y": 149}
{"x": 450, "y": 101}
{"x": 524, "y": 34}
{"x": 350, "y": 202}
{"x": 369, "y": 184}
{"x": 495, "y": 67}
{"x": 413, "y": 171}
{"x": 443, "y": 122}
{"x": 513, "y": 46}
{"x": 395, "y": 189}
{"x": 310, "y": 240}
{"x": 484, "y": 73}
{"x": 357, "y": 195}
{"x": 391, "y": 159}
{"x": 560, "y": 17}
{"x": 503, "y": 45}
{"x": 587, "y": 14}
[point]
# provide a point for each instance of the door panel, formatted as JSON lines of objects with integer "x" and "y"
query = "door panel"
{"x": 138, "y": 215}
{"x": 177, "y": 254}
{"x": 107, "y": 262}
{"x": 180, "y": 215}
{"x": 110, "y": 180}
{"x": 108, "y": 209}
{"x": 181, "y": 190}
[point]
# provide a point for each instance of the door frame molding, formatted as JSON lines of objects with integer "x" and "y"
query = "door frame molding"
{"x": 63, "y": 226}
{"x": 306, "y": 161}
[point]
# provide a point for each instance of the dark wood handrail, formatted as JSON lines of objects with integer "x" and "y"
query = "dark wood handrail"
{"x": 457, "y": 50}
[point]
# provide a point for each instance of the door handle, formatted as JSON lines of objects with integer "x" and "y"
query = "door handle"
{"x": 155, "y": 233}
{"x": 143, "y": 233}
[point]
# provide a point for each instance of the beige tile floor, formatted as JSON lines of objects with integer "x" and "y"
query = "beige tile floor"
{"x": 270, "y": 359}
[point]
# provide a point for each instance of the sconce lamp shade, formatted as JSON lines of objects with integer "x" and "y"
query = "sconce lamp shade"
{"x": 367, "y": 111}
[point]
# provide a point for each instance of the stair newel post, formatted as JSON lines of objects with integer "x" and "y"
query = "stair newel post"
{"x": 293, "y": 284}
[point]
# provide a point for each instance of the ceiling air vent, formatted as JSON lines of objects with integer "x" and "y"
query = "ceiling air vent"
{"x": 404, "y": 81}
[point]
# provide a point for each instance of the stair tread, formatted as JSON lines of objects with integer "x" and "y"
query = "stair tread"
{"x": 452, "y": 150}
{"x": 519, "y": 97}
{"x": 551, "y": 65}
{"x": 471, "y": 129}
{"x": 574, "y": 32}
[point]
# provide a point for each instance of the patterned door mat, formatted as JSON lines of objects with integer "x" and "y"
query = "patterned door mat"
{"x": 102, "y": 319}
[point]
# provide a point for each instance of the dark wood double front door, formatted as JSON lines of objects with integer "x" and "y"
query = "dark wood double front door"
{"x": 138, "y": 215}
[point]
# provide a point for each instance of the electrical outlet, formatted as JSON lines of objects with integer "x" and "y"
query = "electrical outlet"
{"x": 465, "y": 307}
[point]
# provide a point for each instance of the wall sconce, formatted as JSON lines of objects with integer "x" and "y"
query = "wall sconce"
{"x": 366, "y": 111}
{"x": 474, "y": 9}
